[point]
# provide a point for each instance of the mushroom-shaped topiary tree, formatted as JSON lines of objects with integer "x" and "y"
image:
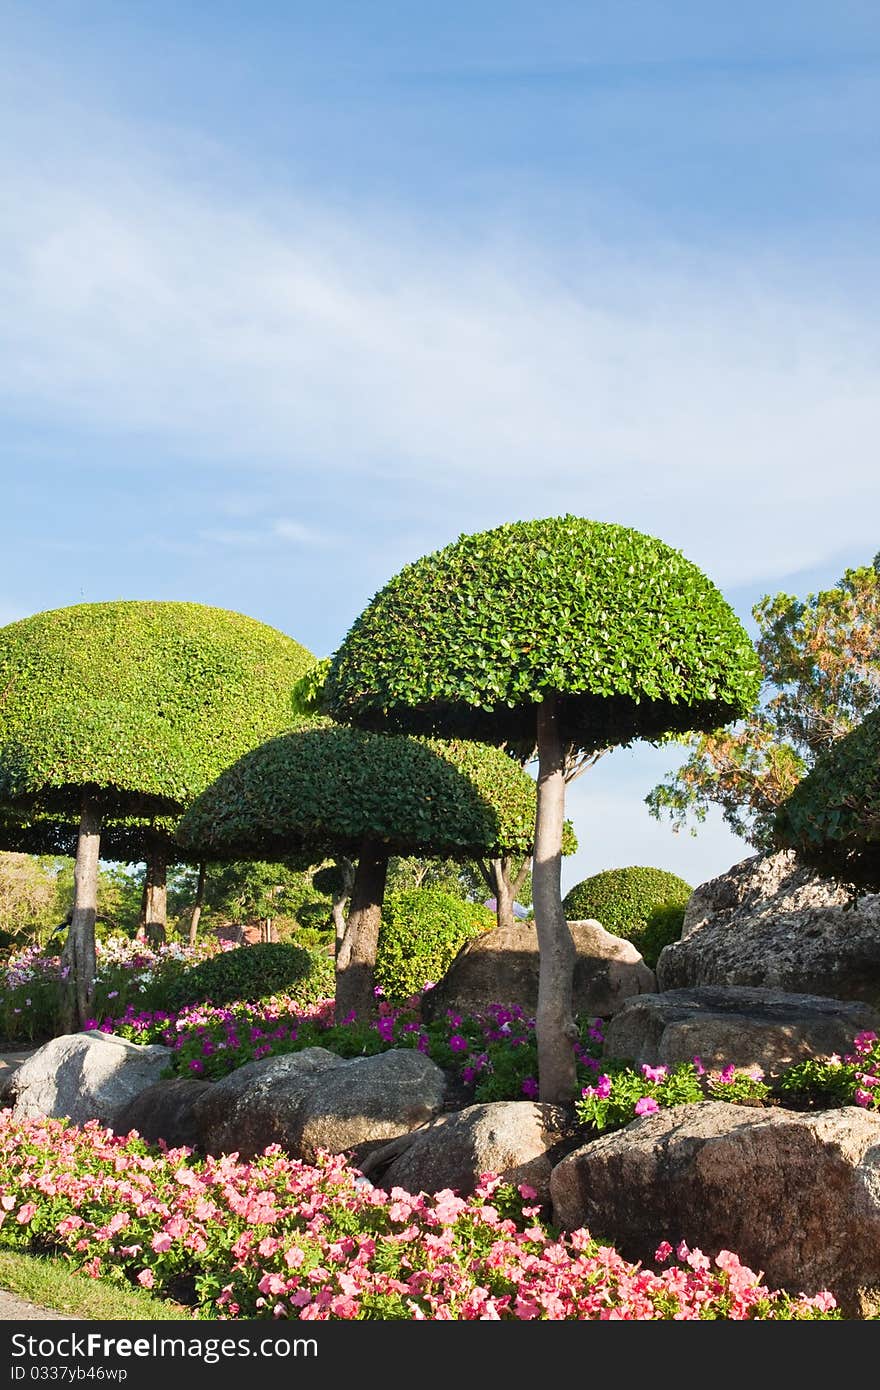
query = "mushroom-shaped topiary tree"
{"x": 558, "y": 634}
{"x": 336, "y": 791}
{"x": 832, "y": 818}
{"x": 129, "y": 709}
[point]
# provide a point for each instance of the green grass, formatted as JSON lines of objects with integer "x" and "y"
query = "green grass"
{"x": 51, "y": 1283}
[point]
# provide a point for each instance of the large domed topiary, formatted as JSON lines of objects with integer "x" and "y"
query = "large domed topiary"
{"x": 557, "y": 634}
{"x": 127, "y": 710}
{"x": 331, "y": 791}
{"x": 643, "y": 905}
{"x": 832, "y": 818}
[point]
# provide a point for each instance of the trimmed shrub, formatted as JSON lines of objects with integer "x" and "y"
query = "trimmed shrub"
{"x": 422, "y": 931}
{"x": 246, "y": 972}
{"x": 643, "y": 905}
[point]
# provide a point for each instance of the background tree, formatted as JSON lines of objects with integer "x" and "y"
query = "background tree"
{"x": 557, "y": 634}
{"x": 28, "y": 897}
{"x": 341, "y": 791}
{"x": 115, "y": 710}
{"x": 832, "y": 818}
{"x": 821, "y": 675}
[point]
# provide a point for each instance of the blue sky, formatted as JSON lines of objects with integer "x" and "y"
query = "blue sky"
{"x": 291, "y": 294}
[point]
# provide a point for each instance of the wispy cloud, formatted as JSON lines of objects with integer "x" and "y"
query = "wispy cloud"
{"x": 723, "y": 405}
{"x": 282, "y": 531}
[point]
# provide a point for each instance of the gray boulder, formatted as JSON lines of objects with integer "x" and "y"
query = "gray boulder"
{"x": 773, "y": 923}
{"x": 313, "y": 1100}
{"x": 796, "y": 1196}
{"x": 501, "y": 967}
{"x": 514, "y": 1139}
{"x": 747, "y": 1027}
{"x": 164, "y": 1112}
{"x": 85, "y": 1076}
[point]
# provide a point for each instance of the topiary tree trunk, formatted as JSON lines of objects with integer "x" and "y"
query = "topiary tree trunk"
{"x": 157, "y": 896}
{"x": 78, "y": 959}
{"x": 555, "y": 1027}
{"x": 504, "y": 885}
{"x": 341, "y": 895}
{"x": 356, "y": 962}
{"x": 198, "y": 903}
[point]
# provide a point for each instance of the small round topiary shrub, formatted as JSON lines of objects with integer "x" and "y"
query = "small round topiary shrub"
{"x": 643, "y": 905}
{"x": 422, "y": 931}
{"x": 246, "y": 973}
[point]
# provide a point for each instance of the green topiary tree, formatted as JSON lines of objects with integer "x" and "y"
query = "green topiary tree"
{"x": 423, "y": 930}
{"x": 630, "y": 902}
{"x": 129, "y": 709}
{"x": 334, "y": 791}
{"x": 832, "y": 818}
{"x": 557, "y": 634}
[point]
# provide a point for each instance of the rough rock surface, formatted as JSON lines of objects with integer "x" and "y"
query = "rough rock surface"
{"x": 313, "y": 1100}
{"x": 773, "y": 923}
{"x": 748, "y": 1027}
{"x": 514, "y": 1139}
{"x": 501, "y": 967}
{"x": 85, "y": 1076}
{"x": 164, "y": 1111}
{"x": 796, "y": 1196}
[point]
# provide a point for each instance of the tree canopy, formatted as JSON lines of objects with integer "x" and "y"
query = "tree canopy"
{"x": 466, "y": 641}
{"x": 832, "y": 818}
{"x": 141, "y": 703}
{"x": 820, "y": 658}
{"x": 321, "y": 790}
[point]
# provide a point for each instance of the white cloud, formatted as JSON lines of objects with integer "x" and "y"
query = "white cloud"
{"x": 706, "y": 403}
{"x": 288, "y": 530}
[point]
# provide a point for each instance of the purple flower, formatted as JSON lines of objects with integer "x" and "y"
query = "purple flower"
{"x": 458, "y": 1043}
{"x": 530, "y": 1088}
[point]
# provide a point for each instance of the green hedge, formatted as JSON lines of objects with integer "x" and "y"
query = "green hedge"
{"x": 643, "y": 905}
{"x": 422, "y": 931}
{"x": 248, "y": 973}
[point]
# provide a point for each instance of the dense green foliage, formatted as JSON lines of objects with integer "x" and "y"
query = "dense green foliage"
{"x": 643, "y": 905}
{"x": 821, "y": 662}
{"x": 469, "y": 639}
{"x": 832, "y": 818}
{"x": 325, "y": 788}
{"x": 145, "y": 702}
{"x": 422, "y": 931}
{"x": 246, "y": 972}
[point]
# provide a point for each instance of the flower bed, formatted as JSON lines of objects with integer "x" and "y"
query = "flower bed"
{"x": 278, "y": 1238}
{"x": 127, "y": 970}
{"x": 492, "y": 1056}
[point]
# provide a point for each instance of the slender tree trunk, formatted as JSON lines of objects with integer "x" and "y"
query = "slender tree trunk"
{"x": 346, "y": 870}
{"x": 78, "y": 964}
{"x": 356, "y": 978}
{"x": 503, "y": 892}
{"x": 198, "y": 904}
{"x": 145, "y": 901}
{"x": 554, "y": 1021}
{"x": 157, "y": 897}
{"x": 521, "y": 875}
